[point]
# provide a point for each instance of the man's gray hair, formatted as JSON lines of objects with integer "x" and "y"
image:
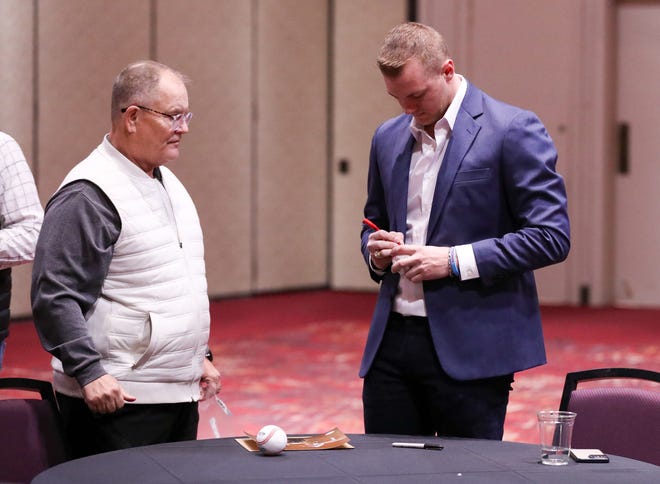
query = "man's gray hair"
{"x": 136, "y": 84}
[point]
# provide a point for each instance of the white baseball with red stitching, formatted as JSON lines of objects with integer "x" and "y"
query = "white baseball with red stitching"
{"x": 271, "y": 440}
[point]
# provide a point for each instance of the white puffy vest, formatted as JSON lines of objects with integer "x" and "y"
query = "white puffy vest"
{"x": 151, "y": 321}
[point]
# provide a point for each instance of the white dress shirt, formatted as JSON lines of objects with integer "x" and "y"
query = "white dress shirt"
{"x": 424, "y": 167}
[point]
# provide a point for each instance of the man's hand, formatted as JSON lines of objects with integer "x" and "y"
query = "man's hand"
{"x": 380, "y": 245}
{"x": 421, "y": 262}
{"x": 105, "y": 395}
{"x": 210, "y": 384}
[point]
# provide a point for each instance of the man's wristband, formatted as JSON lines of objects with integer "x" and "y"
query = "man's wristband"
{"x": 453, "y": 264}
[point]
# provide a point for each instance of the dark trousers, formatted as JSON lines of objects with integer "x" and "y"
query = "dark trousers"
{"x": 131, "y": 426}
{"x": 407, "y": 392}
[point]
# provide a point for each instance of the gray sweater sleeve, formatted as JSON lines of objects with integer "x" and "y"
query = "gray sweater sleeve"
{"x": 73, "y": 254}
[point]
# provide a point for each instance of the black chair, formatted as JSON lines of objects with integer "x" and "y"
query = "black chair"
{"x": 620, "y": 420}
{"x": 30, "y": 431}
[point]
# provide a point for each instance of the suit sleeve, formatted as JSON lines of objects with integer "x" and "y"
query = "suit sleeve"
{"x": 535, "y": 199}
{"x": 375, "y": 207}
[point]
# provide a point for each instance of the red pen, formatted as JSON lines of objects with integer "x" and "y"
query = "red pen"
{"x": 370, "y": 224}
{"x": 373, "y": 226}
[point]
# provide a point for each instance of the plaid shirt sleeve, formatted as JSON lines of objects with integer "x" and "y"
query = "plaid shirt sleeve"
{"x": 21, "y": 212}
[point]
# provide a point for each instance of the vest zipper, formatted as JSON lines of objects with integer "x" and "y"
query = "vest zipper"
{"x": 176, "y": 225}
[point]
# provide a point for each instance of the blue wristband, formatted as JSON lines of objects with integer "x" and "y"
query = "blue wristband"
{"x": 452, "y": 262}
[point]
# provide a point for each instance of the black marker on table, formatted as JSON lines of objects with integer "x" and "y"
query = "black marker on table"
{"x": 416, "y": 445}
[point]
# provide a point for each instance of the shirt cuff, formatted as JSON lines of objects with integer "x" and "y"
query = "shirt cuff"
{"x": 467, "y": 265}
{"x": 376, "y": 270}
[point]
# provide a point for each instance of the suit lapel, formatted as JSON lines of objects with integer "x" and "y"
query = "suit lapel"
{"x": 463, "y": 135}
{"x": 400, "y": 175}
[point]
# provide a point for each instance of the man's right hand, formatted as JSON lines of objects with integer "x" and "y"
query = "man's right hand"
{"x": 105, "y": 395}
{"x": 380, "y": 245}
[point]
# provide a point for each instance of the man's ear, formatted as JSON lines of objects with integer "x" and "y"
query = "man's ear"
{"x": 130, "y": 119}
{"x": 447, "y": 69}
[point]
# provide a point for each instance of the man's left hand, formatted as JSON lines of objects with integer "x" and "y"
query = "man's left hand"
{"x": 421, "y": 262}
{"x": 210, "y": 384}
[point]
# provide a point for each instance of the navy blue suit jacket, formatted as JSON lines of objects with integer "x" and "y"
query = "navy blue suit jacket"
{"x": 498, "y": 190}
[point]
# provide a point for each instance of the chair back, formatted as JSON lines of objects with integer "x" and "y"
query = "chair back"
{"x": 30, "y": 431}
{"x": 620, "y": 420}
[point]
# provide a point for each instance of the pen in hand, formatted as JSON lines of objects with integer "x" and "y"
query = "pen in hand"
{"x": 370, "y": 224}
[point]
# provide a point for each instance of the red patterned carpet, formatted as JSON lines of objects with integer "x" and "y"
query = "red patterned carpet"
{"x": 291, "y": 359}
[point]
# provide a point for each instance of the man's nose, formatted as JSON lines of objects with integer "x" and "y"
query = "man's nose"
{"x": 182, "y": 126}
{"x": 409, "y": 107}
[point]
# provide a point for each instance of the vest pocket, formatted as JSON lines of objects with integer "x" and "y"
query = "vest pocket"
{"x": 153, "y": 342}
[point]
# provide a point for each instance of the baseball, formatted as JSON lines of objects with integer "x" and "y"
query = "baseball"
{"x": 271, "y": 440}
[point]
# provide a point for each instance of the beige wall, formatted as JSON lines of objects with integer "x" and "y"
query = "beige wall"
{"x": 16, "y": 106}
{"x": 359, "y": 104}
{"x": 517, "y": 72}
{"x": 556, "y": 58}
{"x": 291, "y": 197}
{"x": 282, "y": 90}
{"x": 212, "y": 42}
{"x": 256, "y": 160}
{"x": 78, "y": 58}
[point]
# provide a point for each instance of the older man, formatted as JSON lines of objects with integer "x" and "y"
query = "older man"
{"x": 119, "y": 289}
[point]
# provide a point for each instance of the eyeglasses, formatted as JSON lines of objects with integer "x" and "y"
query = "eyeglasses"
{"x": 177, "y": 119}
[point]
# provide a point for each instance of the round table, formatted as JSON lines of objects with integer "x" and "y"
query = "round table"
{"x": 372, "y": 460}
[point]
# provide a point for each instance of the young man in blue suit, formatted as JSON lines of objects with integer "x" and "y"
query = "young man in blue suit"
{"x": 464, "y": 190}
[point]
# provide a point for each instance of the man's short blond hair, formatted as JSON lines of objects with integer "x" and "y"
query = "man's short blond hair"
{"x": 409, "y": 40}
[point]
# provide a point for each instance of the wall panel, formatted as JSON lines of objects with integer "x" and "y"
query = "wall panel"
{"x": 16, "y": 79}
{"x": 637, "y": 235}
{"x": 360, "y": 104}
{"x": 291, "y": 136}
{"x": 261, "y": 160}
{"x": 16, "y": 111}
{"x": 210, "y": 41}
{"x": 501, "y": 55}
{"x": 536, "y": 82}
{"x": 83, "y": 44}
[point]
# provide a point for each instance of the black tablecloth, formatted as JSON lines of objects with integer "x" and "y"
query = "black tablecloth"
{"x": 373, "y": 460}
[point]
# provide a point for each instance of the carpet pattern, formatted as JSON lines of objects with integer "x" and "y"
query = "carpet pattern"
{"x": 291, "y": 359}
{"x": 299, "y": 370}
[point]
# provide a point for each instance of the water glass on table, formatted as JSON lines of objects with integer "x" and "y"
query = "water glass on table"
{"x": 555, "y": 432}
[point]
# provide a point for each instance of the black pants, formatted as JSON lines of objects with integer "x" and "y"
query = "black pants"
{"x": 407, "y": 392}
{"x": 130, "y": 426}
